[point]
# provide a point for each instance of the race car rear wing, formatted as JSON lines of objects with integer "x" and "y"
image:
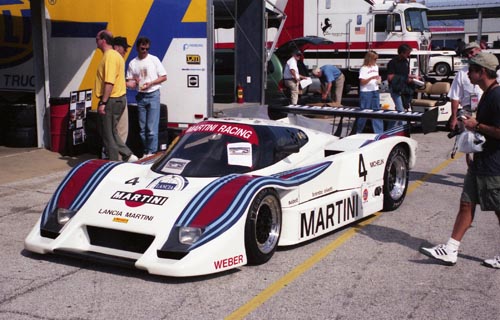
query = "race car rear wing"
{"x": 427, "y": 119}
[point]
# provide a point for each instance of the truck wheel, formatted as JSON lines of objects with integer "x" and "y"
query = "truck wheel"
{"x": 263, "y": 227}
{"x": 442, "y": 69}
{"x": 396, "y": 178}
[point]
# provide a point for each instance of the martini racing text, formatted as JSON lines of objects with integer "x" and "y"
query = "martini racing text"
{"x": 326, "y": 217}
{"x": 139, "y": 197}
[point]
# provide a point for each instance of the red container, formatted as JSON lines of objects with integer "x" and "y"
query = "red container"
{"x": 59, "y": 118}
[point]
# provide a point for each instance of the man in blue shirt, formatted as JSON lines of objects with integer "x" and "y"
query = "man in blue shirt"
{"x": 328, "y": 75}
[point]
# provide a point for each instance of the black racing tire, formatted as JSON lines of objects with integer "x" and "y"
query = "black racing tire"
{"x": 21, "y": 137}
{"x": 396, "y": 177}
{"x": 442, "y": 69}
{"x": 263, "y": 227}
{"x": 163, "y": 123}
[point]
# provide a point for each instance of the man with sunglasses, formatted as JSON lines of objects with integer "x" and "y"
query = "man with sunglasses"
{"x": 121, "y": 45}
{"x": 146, "y": 73}
{"x": 463, "y": 92}
{"x": 482, "y": 181}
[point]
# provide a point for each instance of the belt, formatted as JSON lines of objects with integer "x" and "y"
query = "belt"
{"x": 289, "y": 79}
{"x": 118, "y": 97}
{"x": 100, "y": 98}
{"x": 146, "y": 93}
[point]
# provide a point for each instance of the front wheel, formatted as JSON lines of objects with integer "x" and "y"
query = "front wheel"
{"x": 396, "y": 178}
{"x": 442, "y": 69}
{"x": 263, "y": 227}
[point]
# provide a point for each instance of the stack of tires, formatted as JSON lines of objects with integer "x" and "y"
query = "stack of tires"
{"x": 134, "y": 139}
{"x": 3, "y": 122}
{"x": 163, "y": 128}
{"x": 19, "y": 125}
{"x": 93, "y": 139}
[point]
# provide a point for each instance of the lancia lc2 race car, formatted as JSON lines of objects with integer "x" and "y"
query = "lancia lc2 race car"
{"x": 227, "y": 194}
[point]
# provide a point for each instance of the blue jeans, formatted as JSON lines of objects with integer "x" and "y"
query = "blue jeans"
{"x": 398, "y": 104}
{"x": 370, "y": 100}
{"x": 148, "y": 107}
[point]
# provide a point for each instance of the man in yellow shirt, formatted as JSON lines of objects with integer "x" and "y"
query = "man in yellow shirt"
{"x": 111, "y": 90}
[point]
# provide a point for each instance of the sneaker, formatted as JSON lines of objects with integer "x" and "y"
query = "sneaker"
{"x": 442, "y": 253}
{"x": 492, "y": 263}
{"x": 147, "y": 155}
{"x": 132, "y": 158}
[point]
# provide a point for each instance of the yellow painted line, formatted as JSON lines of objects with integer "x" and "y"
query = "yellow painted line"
{"x": 270, "y": 291}
{"x": 437, "y": 169}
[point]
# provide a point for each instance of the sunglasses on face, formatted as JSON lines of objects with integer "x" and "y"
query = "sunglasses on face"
{"x": 144, "y": 49}
{"x": 474, "y": 68}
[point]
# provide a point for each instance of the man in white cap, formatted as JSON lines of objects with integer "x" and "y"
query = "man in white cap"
{"x": 463, "y": 93}
{"x": 292, "y": 77}
{"x": 482, "y": 181}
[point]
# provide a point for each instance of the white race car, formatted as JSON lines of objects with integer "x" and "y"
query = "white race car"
{"x": 227, "y": 194}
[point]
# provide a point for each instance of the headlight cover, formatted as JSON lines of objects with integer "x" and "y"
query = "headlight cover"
{"x": 189, "y": 235}
{"x": 53, "y": 222}
{"x": 64, "y": 215}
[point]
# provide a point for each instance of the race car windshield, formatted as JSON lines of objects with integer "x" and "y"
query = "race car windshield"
{"x": 211, "y": 152}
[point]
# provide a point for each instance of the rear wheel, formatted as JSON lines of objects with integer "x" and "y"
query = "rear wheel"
{"x": 263, "y": 227}
{"x": 396, "y": 178}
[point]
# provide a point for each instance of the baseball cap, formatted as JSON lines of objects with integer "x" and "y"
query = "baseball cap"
{"x": 472, "y": 45}
{"x": 486, "y": 60}
{"x": 121, "y": 41}
{"x": 297, "y": 53}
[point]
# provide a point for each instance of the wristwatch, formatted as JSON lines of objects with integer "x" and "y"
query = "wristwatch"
{"x": 102, "y": 103}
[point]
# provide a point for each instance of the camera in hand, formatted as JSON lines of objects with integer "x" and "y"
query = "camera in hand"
{"x": 461, "y": 115}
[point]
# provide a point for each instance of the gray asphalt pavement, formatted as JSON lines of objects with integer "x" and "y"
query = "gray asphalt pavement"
{"x": 370, "y": 270}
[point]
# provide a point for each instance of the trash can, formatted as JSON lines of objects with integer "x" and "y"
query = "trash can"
{"x": 59, "y": 118}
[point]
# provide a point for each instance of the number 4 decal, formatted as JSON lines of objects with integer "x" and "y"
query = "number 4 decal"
{"x": 132, "y": 181}
{"x": 361, "y": 167}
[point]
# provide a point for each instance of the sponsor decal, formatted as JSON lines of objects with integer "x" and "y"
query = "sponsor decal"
{"x": 120, "y": 216}
{"x": 193, "y": 59}
{"x": 365, "y": 195}
{"x": 186, "y": 46}
{"x": 327, "y": 217}
{"x": 193, "y": 69}
{"x": 170, "y": 182}
{"x": 377, "y": 163}
{"x": 320, "y": 193}
{"x": 293, "y": 201}
{"x": 15, "y": 35}
{"x": 228, "y": 262}
{"x": 193, "y": 81}
{"x": 120, "y": 220}
{"x": 139, "y": 197}
{"x": 231, "y": 129}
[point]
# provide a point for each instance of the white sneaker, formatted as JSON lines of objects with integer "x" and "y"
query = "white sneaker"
{"x": 492, "y": 263}
{"x": 132, "y": 158}
{"x": 147, "y": 155}
{"x": 442, "y": 253}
